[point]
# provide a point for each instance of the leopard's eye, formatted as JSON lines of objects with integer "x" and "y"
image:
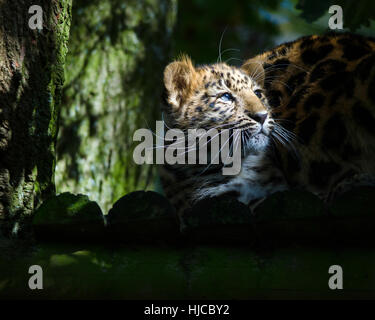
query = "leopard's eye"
{"x": 258, "y": 93}
{"x": 227, "y": 97}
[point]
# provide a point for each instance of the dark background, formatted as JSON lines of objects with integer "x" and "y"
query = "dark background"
{"x": 248, "y": 27}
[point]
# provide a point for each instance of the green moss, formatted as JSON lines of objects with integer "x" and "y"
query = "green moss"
{"x": 68, "y": 217}
{"x": 61, "y": 260}
{"x": 61, "y": 31}
{"x": 43, "y": 101}
{"x": 66, "y": 208}
{"x": 113, "y": 87}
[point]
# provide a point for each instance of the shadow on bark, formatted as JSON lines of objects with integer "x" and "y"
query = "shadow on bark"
{"x": 31, "y": 87}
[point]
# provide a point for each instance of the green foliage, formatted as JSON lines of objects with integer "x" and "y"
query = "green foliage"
{"x": 357, "y": 14}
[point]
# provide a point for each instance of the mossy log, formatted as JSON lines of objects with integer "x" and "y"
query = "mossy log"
{"x": 31, "y": 79}
{"x": 223, "y": 252}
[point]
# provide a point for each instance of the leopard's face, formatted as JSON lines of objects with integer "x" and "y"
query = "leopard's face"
{"x": 218, "y": 96}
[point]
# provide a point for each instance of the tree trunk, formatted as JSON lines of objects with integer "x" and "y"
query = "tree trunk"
{"x": 117, "y": 52}
{"x": 31, "y": 79}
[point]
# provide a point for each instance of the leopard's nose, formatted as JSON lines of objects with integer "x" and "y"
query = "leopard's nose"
{"x": 259, "y": 117}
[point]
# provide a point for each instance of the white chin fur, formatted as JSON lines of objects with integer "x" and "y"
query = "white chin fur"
{"x": 258, "y": 142}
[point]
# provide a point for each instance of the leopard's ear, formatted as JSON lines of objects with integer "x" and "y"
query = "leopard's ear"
{"x": 254, "y": 69}
{"x": 179, "y": 77}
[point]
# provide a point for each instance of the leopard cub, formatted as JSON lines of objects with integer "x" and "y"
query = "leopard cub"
{"x": 306, "y": 111}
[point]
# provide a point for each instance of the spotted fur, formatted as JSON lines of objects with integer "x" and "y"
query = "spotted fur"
{"x": 318, "y": 95}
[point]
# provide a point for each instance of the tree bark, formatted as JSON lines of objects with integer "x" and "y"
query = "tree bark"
{"x": 31, "y": 79}
{"x": 117, "y": 52}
